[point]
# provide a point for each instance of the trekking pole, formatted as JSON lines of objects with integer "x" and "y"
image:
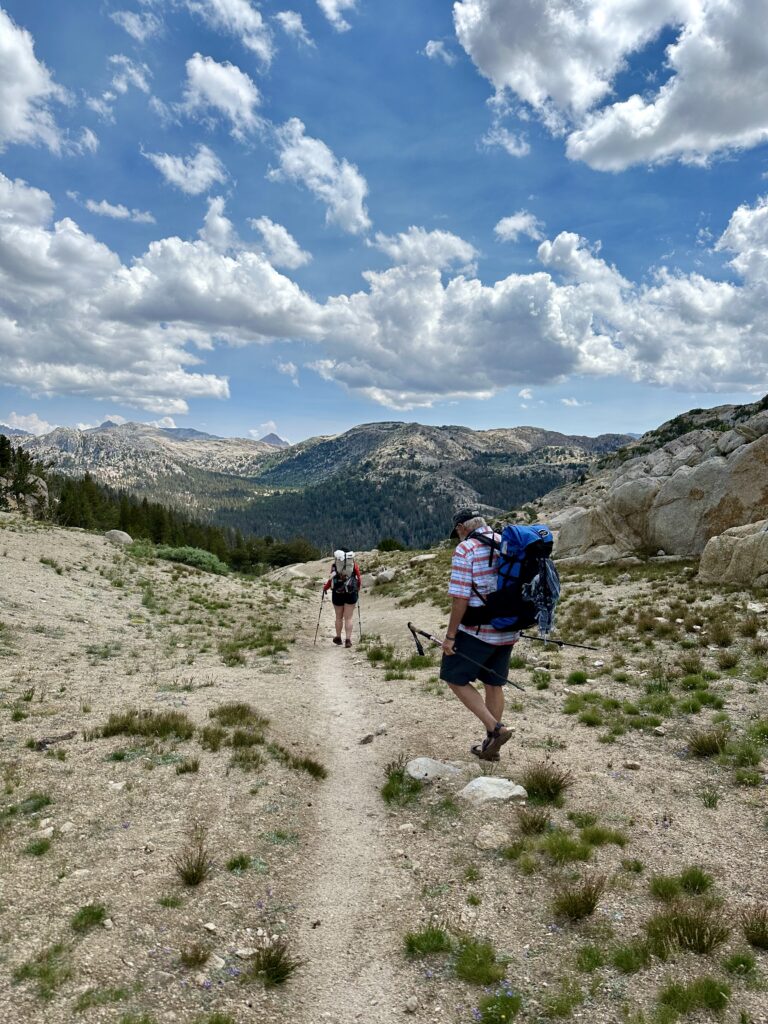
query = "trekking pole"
{"x": 359, "y": 619}
{"x": 439, "y": 643}
{"x": 318, "y": 619}
{"x": 558, "y": 643}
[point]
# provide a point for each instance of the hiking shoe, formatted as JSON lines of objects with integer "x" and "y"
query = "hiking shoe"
{"x": 478, "y": 751}
{"x": 494, "y": 742}
{"x": 347, "y": 643}
{"x": 337, "y": 641}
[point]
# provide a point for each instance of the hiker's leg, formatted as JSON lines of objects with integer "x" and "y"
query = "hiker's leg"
{"x": 472, "y": 700}
{"x": 349, "y": 612}
{"x": 494, "y": 701}
{"x": 339, "y": 609}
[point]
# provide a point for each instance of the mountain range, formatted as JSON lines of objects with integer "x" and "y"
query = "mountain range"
{"x": 377, "y": 479}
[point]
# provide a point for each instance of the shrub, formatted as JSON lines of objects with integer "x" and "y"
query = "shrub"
{"x": 708, "y": 742}
{"x": 545, "y": 783}
{"x": 665, "y": 887}
{"x": 237, "y": 713}
{"x": 194, "y": 955}
{"x": 193, "y": 865}
{"x": 697, "y": 928}
{"x": 577, "y": 678}
{"x": 695, "y": 881}
{"x": 428, "y": 941}
{"x": 742, "y": 964}
{"x": 578, "y": 900}
{"x": 533, "y": 821}
{"x": 477, "y": 963}
{"x": 198, "y": 558}
{"x": 754, "y": 924}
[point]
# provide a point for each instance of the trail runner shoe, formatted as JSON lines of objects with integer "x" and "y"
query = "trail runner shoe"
{"x": 347, "y": 643}
{"x": 337, "y": 641}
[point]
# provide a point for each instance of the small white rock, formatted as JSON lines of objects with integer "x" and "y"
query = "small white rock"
{"x": 109, "y": 924}
{"x": 117, "y": 786}
{"x": 660, "y": 731}
{"x": 632, "y": 766}
{"x": 45, "y": 833}
{"x": 411, "y": 1004}
{"x": 245, "y": 953}
{"x": 380, "y": 730}
{"x": 67, "y": 827}
{"x": 217, "y": 963}
{"x": 210, "y": 927}
{"x": 407, "y": 826}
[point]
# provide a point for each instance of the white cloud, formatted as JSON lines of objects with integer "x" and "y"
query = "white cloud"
{"x": 32, "y": 423}
{"x": 102, "y": 105}
{"x": 292, "y": 24}
{"x": 87, "y": 143}
{"x": 526, "y": 394}
{"x": 332, "y": 9}
{"x": 26, "y": 90}
{"x": 165, "y": 423}
{"x": 193, "y": 174}
{"x": 419, "y": 248}
{"x": 562, "y": 59}
{"x": 280, "y": 247}
{"x": 574, "y": 403}
{"x": 239, "y": 18}
{"x": 337, "y": 183}
{"x": 114, "y": 417}
{"x": 291, "y": 370}
{"x": 502, "y": 137}
{"x": 141, "y": 26}
{"x": 118, "y": 211}
{"x": 437, "y": 50}
{"x": 509, "y": 229}
{"x": 224, "y": 88}
{"x": 270, "y": 427}
{"x": 715, "y": 100}
{"x": 128, "y": 73}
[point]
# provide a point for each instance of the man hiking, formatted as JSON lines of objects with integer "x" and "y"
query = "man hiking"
{"x": 473, "y": 575}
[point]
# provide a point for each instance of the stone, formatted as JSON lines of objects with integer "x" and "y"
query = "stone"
{"x": 210, "y": 927}
{"x": 385, "y": 576}
{"x": 67, "y": 827}
{"x": 738, "y": 555}
{"x": 407, "y": 826}
{"x": 487, "y": 788}
{"x": 491, "y": 837}
{"x": 246, "y": 952}
{"x": 411, "y": 1004}
{"x": 368, "y": 738}
{"x": 420, "y": 559}
{"x": 367, "y": 580}
{"x": 45, "y": 833}
{"x": 380, "y": 730}
{"x": 108, "y": 923}
{"x": 427, "y": 769}
{"x": 217, "y": 963}
{"x": 624, "y": 577}
{"x": 116, "y": 786}
{"x": 659, "y": 731}
{"x": 118, "y": 537}
{"x": 632, "y": 766}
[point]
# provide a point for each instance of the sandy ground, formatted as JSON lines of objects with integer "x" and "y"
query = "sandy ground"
{"x": 338, "y": 872}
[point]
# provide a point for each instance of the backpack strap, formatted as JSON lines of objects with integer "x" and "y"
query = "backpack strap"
{"x": 489, "y": 541}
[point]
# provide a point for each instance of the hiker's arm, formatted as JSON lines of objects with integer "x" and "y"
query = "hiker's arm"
{"x": 459, "y": 606}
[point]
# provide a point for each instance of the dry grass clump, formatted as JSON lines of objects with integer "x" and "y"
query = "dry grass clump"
{"x": 193, "y": 864}
{"x": 695, "y": 927}
{"x": 546, "y": 783}
{"x": 238, "y": 714}
{"x": 754, "y": 924}
{"x": 272, "y": 965}
{"x": 533, "y": 821}
{"x": 708, "y": 742}
{"x": 151, "y": 724}
{"x": 577, "y": 900}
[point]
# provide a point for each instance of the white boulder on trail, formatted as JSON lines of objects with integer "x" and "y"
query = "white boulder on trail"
{"x": 487, "y": 787}
{"x": 428, "y": 770}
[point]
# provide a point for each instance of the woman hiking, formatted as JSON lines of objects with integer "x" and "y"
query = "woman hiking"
{"x": 344, "y": 584}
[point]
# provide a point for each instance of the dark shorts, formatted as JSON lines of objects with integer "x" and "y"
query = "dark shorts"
{"x": 343, "y": 598}
{"x": 493, "y": 658}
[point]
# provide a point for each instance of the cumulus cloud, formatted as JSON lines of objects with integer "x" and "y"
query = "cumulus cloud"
{"x": 419, "y": 248}
{"x": 332, "y": 9}
{"x": 128, "y": 73}
{"x": 509, "y": 229}
{"x": 280, "y": 247}
{"x": 223, "y": 88}
{"x": 32, "y": 423}
{"x": 292, "y": 24}
{"x": 562, "y": 59}
{"x": 238, "y": 18}
{"x": 74, "y": 319}
{"x": 291, "y": 370}
{"x": 117, "y": 211}
{"x": 339, "y": 184}
{"x": 27, "y": 89}
{"x": 526, "y": 394}
{"x": 503, "y": 138}
{"x": 574, "y": 403}
{"x": 164, "y": 423}
{"x": 193, "y": 174}
{"x": 437, "y": 50}
{"x": 141, "y": 26}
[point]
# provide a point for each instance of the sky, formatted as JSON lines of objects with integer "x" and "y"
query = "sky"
{"x": 299, "y": 216}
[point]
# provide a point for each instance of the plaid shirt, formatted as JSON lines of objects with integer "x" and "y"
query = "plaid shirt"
{"x": 470, "y": 566}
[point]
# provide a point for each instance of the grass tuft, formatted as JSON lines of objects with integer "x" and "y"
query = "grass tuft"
{"x": 545, "y": 783}
{"x": 533, "y": 821}
{"x": 400, "y": 788}
{"x": 754, "y": 925}
{"x": 49, "y": 969}
{"x": 193, "y": 864}
{"x": 701, "y": 994}
{"x": 577, "y": 900}
{"x": 477, "y": 963}
{"x": 273, "y": 965}
{"x": 92, "y": 915}
{"x": 430, "y": 940}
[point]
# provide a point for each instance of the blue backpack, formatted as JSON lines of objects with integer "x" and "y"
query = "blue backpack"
{"x": 527, "y": 584}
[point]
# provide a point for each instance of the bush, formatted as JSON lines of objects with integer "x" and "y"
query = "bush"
{"x": 579, "y": 900}
{"x": 196, "y": 557}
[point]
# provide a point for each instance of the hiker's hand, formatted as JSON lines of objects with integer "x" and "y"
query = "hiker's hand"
{"x": 449, "y": 645}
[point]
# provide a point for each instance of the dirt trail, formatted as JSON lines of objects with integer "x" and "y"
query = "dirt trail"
{"x": 352, "y": 890}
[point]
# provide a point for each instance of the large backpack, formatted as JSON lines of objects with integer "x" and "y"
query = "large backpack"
{"x": 345, "y": 580}
{"x": 527, "y": 584}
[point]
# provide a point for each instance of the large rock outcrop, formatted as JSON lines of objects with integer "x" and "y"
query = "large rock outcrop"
{"x": 739, "y": 555}
{"x": 673, "y": 499}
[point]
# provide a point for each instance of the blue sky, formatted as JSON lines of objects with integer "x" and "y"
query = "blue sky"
{"x": 303, "y": 216}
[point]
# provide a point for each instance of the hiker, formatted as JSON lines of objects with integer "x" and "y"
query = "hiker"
{"x": 474, "y": 573}
{"x": 344, "y": 584}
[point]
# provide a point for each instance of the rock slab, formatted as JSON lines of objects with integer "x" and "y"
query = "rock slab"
{"x": 487, "y": 788}
{"x": 428, "y": 770}
{"x": 118, "y": 537}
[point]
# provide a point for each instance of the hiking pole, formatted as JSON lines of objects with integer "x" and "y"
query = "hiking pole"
{"x": 558, "y": 643}
{"x": 318, "y": 619}
{"x": 439, "y": 643}
{"x": 359, "y": 619}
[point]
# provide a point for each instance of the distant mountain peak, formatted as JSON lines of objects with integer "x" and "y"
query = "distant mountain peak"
{"x": 13, "y": 431}
{"x": 275, "y": 440}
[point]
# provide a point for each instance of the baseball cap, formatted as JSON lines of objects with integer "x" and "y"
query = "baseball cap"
{"x": 463, "y": 515}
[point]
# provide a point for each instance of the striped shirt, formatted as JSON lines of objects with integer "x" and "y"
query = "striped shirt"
{"x": 470, "y": 566}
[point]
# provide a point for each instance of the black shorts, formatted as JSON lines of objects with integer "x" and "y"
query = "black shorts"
{"x": 343, "y": 598}
{"x": 494, "y": 659}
